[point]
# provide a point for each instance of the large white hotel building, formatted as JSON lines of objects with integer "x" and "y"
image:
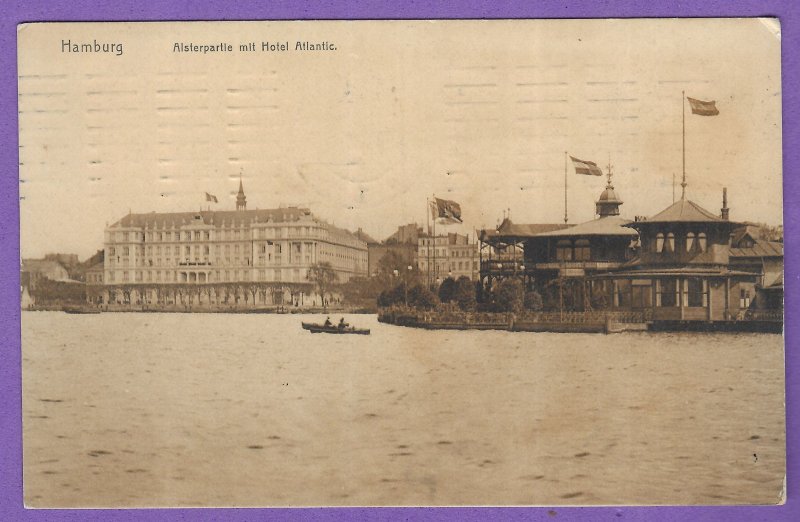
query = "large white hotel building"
{"x": 270, "y": 246}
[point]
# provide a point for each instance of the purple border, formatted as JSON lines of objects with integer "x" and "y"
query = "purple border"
{"x": 17, "y": 11}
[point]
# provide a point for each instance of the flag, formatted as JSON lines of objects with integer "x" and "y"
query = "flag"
{"x": 210, "y": 197}
{"x": 447, "y": 210}
{"x": 703, "y": 108}
{"x": 586, "y": 167}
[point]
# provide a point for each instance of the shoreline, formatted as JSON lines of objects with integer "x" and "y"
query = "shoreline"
{"x": 190, "y": 310}
{"x": 572, "y": 322}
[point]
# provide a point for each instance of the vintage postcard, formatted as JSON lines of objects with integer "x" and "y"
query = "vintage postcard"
{"x": 399, "y": 263}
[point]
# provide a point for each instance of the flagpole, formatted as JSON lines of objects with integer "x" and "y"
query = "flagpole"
{"x": 428, "y": 215}
{"x": 435, "y": 268}
{"x": 428, "y": 218}
{"x": 683, "y": 136}
{"x": 565, "y": 187}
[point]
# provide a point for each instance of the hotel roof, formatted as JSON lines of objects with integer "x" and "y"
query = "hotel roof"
{"x": 209, "y": 217}
{"x": 165, "y": 220}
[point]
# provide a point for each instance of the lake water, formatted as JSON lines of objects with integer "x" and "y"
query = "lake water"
{"x": 250, "y": 410}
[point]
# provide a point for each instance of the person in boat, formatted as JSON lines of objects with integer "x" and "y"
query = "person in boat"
{"x": 328, "y": 322}
{"x": 342, "y": 324}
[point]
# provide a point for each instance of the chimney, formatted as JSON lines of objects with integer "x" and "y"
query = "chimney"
{"x": 725, "y": 209}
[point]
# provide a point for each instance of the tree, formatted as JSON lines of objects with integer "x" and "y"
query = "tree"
{"x": 323, "y": 276}
{"x": 447, "y": 290}
{"x": 464, "y": 294}
{"x": 391, "y": 261}
{"x": 253, "y": 288}
{"x": 509, "y": 296}
{"x": 48, "y": 291}
{"x": 422, "y": 298}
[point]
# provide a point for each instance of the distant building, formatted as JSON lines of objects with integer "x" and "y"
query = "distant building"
{"x": 402, "y": 242}
{"x": 91, "y": 270}
{"x": 751, "y": 252}
{"x": 221, "y": 256}
{"x": 94, "y": 277}
{"x": 363, "y": 236}
{"x": 447, "y": 255}
{"x": 407, "y": 234}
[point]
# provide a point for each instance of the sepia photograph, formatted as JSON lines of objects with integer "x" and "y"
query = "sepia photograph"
{"x": 402, "y": 263}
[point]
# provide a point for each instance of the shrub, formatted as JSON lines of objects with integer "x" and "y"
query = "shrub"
{"x": 509, "y": 295}
{"x": 464, "y": 294}
{"x": 394, "y": 296}
{"x": 422, "y": 298}
{"x": 533, "y": 301}
{"x": 447, "y": 289}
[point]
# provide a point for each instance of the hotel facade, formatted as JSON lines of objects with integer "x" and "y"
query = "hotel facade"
{"x": 225, "y": 255}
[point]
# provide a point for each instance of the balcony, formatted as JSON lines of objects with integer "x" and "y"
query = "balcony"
{"x": 503, "y": 267}
{"x": 579, "y": 265}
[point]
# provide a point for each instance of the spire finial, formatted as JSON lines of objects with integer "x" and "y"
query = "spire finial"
{"x": 241, "y": 200}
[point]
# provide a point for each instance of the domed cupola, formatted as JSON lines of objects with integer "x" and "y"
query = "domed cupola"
{"x": 609, "y": 202}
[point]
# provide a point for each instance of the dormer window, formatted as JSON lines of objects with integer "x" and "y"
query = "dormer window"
{"x": 659, "y": 243}
{"x": 701, "y": 242}
{"x": 670, "y": 247}
{"x": 690, "y": 242}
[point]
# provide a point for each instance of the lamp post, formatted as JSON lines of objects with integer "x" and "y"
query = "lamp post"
{"x": 405, "y": 283}
{"x": 396, "y": 273}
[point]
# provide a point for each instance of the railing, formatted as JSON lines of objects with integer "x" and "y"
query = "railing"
{"x": 763, "y": 315}
{"x": 404, "y": 315}
{"x": 586, "y": 265}
{"x": 503, "y": 265}
{"x": 593, "y": 316}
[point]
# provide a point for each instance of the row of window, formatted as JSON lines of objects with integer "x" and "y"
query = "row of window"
{"x": 688, "y": 292}
{"x": 691, "y": 243}
{"x": 444, "y": 252}
{"x": 188, "y": 250}
{"x": 172, "y": 276}
{"x": 579, "y": 251}
{"x": 207, "y": 235}
{"x": 453, "y": 265}
{"x": 263, "y": 259}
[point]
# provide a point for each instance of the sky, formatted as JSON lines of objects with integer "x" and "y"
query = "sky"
{"x": 480, "y": 112}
